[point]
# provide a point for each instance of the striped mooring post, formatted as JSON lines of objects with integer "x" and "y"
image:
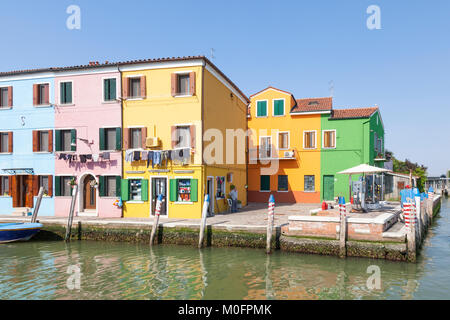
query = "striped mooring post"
{"x": 342, "y": 228}
{"x": 156, "y": 219}
{"x": 270, "y": 219}
{"x": 408, "y": 214}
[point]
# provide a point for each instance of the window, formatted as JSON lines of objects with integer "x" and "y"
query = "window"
{"x": 283, "y": 140}
{"x": 109, "y": 186}
{"x": 43, "y": 182}
{"x": 309, "y": 183}
{"x": 4, "y": 97}
{"x": 329, "y": 139}
{"x": 135, "y": 190}
{"x": 282, "y": 183}
{"x": 43, "y": 140}
{"x": 220, "y": 194}
{"x": 184, "y": 190}
{"x": 40, "y": 94}
{"x": 110, "y": 139}
{"x": 4, "y": 142}
{"x": 65, "y": 189}
{"x": 183, "y": 137}
{"x": 136, "y": 138}
{"x": 135, "y": 88}
{"x": 309, "y": 140}
{"x": 261, "y": 108}
{"x": 4, "y": 186}
{"x": 278, "y": 107}
{"x": 265, "y": 183}
{"x": 265, "y": 147}
{"x": 183, "y": 84}
{"x": 109, "y": 90}
{"x": 66, "y": 139}
{"x": 66, "y": 92}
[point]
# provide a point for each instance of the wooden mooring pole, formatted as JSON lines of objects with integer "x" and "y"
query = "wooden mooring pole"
{"x": 156, "y": 218}
{"x": 203, "y": 222}
{"x": 38, "y": 205}
{"x": 270, "y": 220}
{"x": 71, "y": 212}
{"x": 343, "y": 228}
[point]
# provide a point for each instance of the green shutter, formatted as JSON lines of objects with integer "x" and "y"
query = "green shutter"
{"x": 106, "y": 90}
{"x": 265, "y": 183}
{"x": 101, "y": 135}
{"x": 173, "y": 190}
{"x": 73, "y": 142}
{"x": 261, "y": 108}
{"x": 279, "y": 107}
{"x": 194, "y": 190}
{"x": 57, "y": 140}
{"x": 102, "y": 186}
{"x": 118, "y": 186}
{"x": 124, "y": 190}
{"x": 68, "y": 92}
{"x": 62, "y": 93}
{"x": 112, "y": 89}
{"x": 118, "y": 138}
{"x": 57, "y": 186}
{"x": 144, "y": 190}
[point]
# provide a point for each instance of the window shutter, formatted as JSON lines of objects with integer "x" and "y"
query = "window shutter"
{"x": 69, "y": 92}
{"x": 174, "y": 86}
{"x": 125, "y": 83}
{"x": 112, "y": 89}
{"x": 10, "y": 96}
{"x": 173, "y": 190}
{"x": 50, "y": 140}
{"x": 192, "y": 134}
{"x": 10, "y": 142}
{"x": 124, "y": 190}
{"x": 14, "y": 192}
{"x": 143, "y": 87}
{"x": 192, "y": 83}
{"x": 57, "y": 140}
{"x": 36, "y": 185}
{"x": 74, "y": 140}
{"x": 126, "y": 138}
{"x": 194, "y": 190}
{"x": 50, "y": 186}
{"x": 118, "y": 138}
{"x": 118, "y": 186}
{"x": 47, "y": 94}
{"x": 10, "y": 181}
{"x": 144, "y": 190}
{"x": 106, "y": 89}
{"x": 35, "y": 94}
{"x": 102, "y": 186}
{"x": 57, "y": 186}
{"x": 62, "y": 95}
{"x": 101, "y": 136}
{"x": 35, "y": 141}
{"x": 143, "y": 137}
{"x": 173, "y": 130}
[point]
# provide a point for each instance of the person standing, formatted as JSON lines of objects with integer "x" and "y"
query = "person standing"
{"x": 234, "y": 198}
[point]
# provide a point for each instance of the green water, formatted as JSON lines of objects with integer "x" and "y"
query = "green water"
{"x": 39, "y": 270}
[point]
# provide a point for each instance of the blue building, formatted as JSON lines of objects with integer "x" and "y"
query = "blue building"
{"x": 27, "y": 160}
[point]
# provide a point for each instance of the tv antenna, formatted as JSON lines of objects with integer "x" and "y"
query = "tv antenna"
{"x": 331, "y": 87}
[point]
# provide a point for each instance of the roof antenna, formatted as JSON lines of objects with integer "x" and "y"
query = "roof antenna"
{"x": 212, "y": 53}
{"x": 331, "y": 88}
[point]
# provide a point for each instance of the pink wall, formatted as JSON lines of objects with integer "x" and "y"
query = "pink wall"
{"x": 87, "y": 114}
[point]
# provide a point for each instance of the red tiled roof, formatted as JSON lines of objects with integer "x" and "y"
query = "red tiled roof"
{"x": 313, "y": 104}
{"x": 355, "y": 113}
{"x": 122, "y": 63}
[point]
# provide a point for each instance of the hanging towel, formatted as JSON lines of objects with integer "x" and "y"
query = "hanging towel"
{"x": 82, "y": 158}
{"x": 149, "y": 158}
{"x": 136, "y": 155}
{"x": 62, "y": 156}
{"x": 144, "y": 155}
{"x": 156, "y": 158}
{"x": 106, "y": 156}
{"x": 88, "y": 156}
{"x": 95, "y": 157}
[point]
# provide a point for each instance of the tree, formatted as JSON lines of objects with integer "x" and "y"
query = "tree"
{"x": 407, "y": 166}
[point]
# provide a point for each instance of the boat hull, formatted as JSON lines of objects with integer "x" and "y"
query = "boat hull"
{"x": 11, "y": 232}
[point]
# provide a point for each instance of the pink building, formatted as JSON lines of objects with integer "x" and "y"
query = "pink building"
{"x": 88, "y": 140}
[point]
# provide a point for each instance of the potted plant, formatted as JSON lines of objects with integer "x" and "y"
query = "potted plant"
{"x": 73, "y": 182}
{"x": 239, "y": 204}
{"x": 94, "y": 184}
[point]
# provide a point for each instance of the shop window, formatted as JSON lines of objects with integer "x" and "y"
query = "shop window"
{"x": 282, "y": 183}
{"x": 220, "y": 194}
{"x": 309, "y": 183}
{"x": 184, "y": 190}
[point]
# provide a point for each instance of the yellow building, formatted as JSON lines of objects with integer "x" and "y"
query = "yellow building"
{"x": 284, "y": 148}
{"x": 169, "y": 105}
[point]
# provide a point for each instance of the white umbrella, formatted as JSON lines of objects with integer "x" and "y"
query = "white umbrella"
{"x": 363, "y": 168}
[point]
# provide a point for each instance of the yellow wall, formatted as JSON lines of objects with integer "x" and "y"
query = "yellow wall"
{"x": 306, "y": 162}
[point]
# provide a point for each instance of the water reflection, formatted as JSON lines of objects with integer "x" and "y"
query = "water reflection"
{"x": 38, "y": 270}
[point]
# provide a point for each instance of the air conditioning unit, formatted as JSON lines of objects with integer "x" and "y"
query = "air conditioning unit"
{"x": 153, "y": 142}
{"x": 289, "y": 154}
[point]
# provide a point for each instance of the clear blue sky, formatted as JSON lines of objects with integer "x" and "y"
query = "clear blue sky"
{"x": 297, "y": 46}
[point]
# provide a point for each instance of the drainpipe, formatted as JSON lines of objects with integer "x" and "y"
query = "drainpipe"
{"x": 121, "y": 125}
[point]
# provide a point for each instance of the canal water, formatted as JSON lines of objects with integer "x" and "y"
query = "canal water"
{"x": 103, "y": 270}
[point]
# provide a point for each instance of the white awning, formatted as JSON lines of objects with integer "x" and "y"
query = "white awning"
{"x": 363, "y": 168}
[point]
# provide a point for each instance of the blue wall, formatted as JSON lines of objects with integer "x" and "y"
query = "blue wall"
{"x": 22, "y": 119}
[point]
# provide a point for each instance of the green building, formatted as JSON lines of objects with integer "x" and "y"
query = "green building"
{"x": 350, "y": 137}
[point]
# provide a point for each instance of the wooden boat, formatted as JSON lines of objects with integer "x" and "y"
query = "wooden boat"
{"x": 10, "y": 232}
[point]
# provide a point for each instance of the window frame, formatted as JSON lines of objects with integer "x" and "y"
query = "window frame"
{"x": 315, "y": 139}
{"x": 224, "y": 186}
{"x": 284, "y": 107}
{"x": 188, "y": 89}
{"x": 1, "y": 144}
{"x": 65, "y": 185}
{"x": 260, "y": 183}
{"x": 106, "y": 138}
{"x": 60, "y": 96}
{"x": 40, "y": 132}
{"x": 130, "y": 143}
{"x": 278, "y": 183}
{"x": 267, "y": 108}
{"x": 62, "y": 140}
{"x": 6, "y": 103}
{"x": 335, "y": 138}
{"x": 260, "y": 144}
{"x": 103, "y": 90}
{"x": 177, "y": 144}
{"x": 288, "y": 143}
{"x": 313, "y": 185}
{"x": 130, "y": 87}
{"x": 2, "y": 186}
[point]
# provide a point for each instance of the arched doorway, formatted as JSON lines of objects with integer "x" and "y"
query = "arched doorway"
{"x": 89, "y": 194}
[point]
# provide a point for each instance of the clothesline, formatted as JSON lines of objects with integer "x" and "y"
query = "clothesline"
{"x": 84, "y": 157}
{"x": 157, "y": 158}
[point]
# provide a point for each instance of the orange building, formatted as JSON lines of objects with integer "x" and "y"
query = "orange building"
{"x": 284, "y": 146}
